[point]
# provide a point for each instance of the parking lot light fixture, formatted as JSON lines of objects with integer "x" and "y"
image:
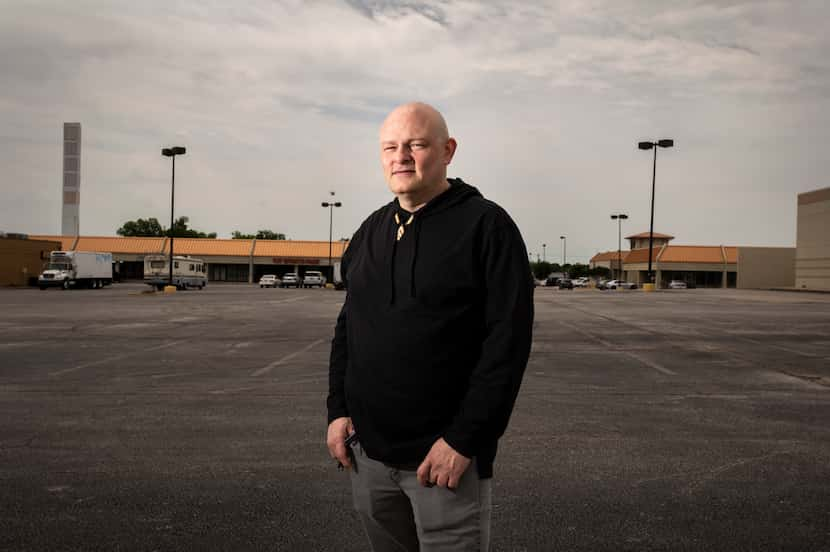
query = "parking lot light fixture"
{"x": 564, "y": 251}
{"x": 544, "y": 255}
{"x": 331, "y": 206}
{"x": 172, "y": 152}
{"x": 663, "y": 143}
{"x": 619, "y": 217}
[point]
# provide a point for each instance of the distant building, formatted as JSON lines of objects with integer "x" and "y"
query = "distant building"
{"x": 226, "y": 260}
{"x": 22, "y": 259}
{"x": 812, "y": 261}
{"x": 71, "y": 216}
{"x": 640, "y": 241}
{"x": 701, "y": 265}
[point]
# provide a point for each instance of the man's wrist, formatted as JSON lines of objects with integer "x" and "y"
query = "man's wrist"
{"x": 461, "y": 444}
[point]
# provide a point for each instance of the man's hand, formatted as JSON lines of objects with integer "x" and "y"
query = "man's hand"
{"x": 443, "y": 466}
{"x": 339, "y": 429}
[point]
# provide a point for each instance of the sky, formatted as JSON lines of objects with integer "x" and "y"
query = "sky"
{"x": 279, "y": 102}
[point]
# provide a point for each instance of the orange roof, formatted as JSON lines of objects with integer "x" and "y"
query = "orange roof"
{"x": 609, "y": 256}
{"x": 209, "y": 246}
{"x": 731, "y": 254}
{"x": 285, "y": 248}
{"x": 65, "y": 241}
{"x": 641, "y": 255}
{"x": 694, "y": 254}
{"x": 119, "y": 244}
{"x": 645, "y": 235}
{"x": 201, "y": 246}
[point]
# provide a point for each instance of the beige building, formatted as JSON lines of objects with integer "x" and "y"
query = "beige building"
{"x": 227, "y": 260}
{"x": 22, "y": 260}
{"x": 701, "y": 265}
{"x": 812, "y": 261}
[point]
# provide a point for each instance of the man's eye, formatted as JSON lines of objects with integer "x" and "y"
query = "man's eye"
{"x": 389, "y": 148}
{"x": 417, "y": 145}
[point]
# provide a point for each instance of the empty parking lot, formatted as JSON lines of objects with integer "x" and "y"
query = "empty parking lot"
{"x": 683, "y": 420}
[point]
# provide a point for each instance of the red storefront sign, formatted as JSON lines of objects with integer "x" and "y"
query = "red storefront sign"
{"x": 294, "y": 261}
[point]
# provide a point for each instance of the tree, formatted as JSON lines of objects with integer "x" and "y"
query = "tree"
{"x": 141, "y": 227}
{"x": 541, "y": 269}
{"x": 152, "y": 228}
{"x": 260, "y": 235}
{"x": 180, "y": 230}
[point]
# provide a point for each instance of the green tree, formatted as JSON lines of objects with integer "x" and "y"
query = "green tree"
{"x": 541, "y": 269}
{"x": 260, "y": 235}
{"x": 180, "y": 230}
{"x": 141, "y": 227}
{"x": 152, "y": 228}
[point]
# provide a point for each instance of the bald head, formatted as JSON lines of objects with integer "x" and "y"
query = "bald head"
{"x": 425, "y": 114}
{"x": 415, "y": 148}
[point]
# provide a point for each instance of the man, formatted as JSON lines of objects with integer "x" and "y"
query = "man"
{"x": 429, "y": 348}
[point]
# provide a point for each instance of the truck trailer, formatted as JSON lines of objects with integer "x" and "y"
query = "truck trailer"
{"x": 77, "y": 269}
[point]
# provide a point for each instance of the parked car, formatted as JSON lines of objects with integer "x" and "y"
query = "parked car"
{"x": 614, "y": 284}
{"x": 565, "y": 283}
{"x": 291, "y": 279}
{"x": 313, "y": 278}
{"x": 580, "y": 282}
{"x": 601, "y": 284}
{"x": 552, "y": 281}
{"x": 269, "y": 280}
{"x": 677, "y": 284}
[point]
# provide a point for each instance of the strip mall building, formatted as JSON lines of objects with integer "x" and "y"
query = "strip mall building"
{"x": 227, "y": 260}
{"x": 702, "y": 265}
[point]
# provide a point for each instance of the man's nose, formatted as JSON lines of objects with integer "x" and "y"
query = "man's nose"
{"x": 403, "y": 154}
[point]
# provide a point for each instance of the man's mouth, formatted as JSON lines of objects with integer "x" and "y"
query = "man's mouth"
{"x": 404, "y": 171}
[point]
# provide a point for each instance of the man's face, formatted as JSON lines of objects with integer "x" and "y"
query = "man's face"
{"x": 414, "y": 154}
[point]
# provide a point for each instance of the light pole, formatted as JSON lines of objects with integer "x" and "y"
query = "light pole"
{"x": 619, "y": 217}
{"x": 331, "y": 207}
{"x": 664, "y": 143}
{"x": 172, "y": 152}
{"x": 564, "y": 252}
{"x": 544, "y": 256}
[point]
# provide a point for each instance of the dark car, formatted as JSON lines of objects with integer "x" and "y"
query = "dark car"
{"x": 565, "y": 283}
{"x": 552, "y": 281}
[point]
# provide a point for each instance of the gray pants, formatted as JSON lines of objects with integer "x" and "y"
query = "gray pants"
{"x": 400, "y": 515}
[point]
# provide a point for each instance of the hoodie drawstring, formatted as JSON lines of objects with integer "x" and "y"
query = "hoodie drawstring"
{"x": 414, "y": 258}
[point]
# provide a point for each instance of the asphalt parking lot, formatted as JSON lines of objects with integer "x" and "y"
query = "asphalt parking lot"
{"x": 676, "y": 420}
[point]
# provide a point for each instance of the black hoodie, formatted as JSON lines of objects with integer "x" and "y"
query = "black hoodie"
{"x": 434, "y": 335}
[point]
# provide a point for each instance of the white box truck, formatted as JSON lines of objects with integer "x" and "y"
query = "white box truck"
{"x": 77, "y": 269}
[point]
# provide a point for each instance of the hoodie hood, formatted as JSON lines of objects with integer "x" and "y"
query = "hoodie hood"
{"x": 403, "y": 221}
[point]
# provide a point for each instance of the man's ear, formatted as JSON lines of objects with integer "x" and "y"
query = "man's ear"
{"x": 449, "y": 150}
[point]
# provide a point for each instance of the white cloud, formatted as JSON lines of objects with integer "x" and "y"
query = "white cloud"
{"x": 278, "y": 102}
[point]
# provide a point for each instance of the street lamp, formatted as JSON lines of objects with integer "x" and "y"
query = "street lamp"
{"x": 564, "y": 251}
{"x": 331, "y": 207}
{"x": 664, "y": 143}
{"x": 172, "y": 152}
{"x": 619, "y": 217}
{"x": 544, "y": 256}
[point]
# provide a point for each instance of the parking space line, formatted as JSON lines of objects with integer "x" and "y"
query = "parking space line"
{"x": 235, "y": 390}
{"x": 283, "y": 360}
{"x": 651, "y": 364}
{"x": 291, "y": 300}
{"x": 779, "y": 347}
{"x": 112, "y": 358}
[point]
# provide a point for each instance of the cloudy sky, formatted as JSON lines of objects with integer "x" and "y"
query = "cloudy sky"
{"x": 278, "y": 102}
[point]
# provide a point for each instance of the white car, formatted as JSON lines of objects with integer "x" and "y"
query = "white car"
{"x": 313, "y": 278}
{"x": 581, "y": 282}
{"x": 291, "y": 279}
{"x": 677, "y": 284}
{"x": 614, "y": 284}
{"x": 269, "y": 280}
